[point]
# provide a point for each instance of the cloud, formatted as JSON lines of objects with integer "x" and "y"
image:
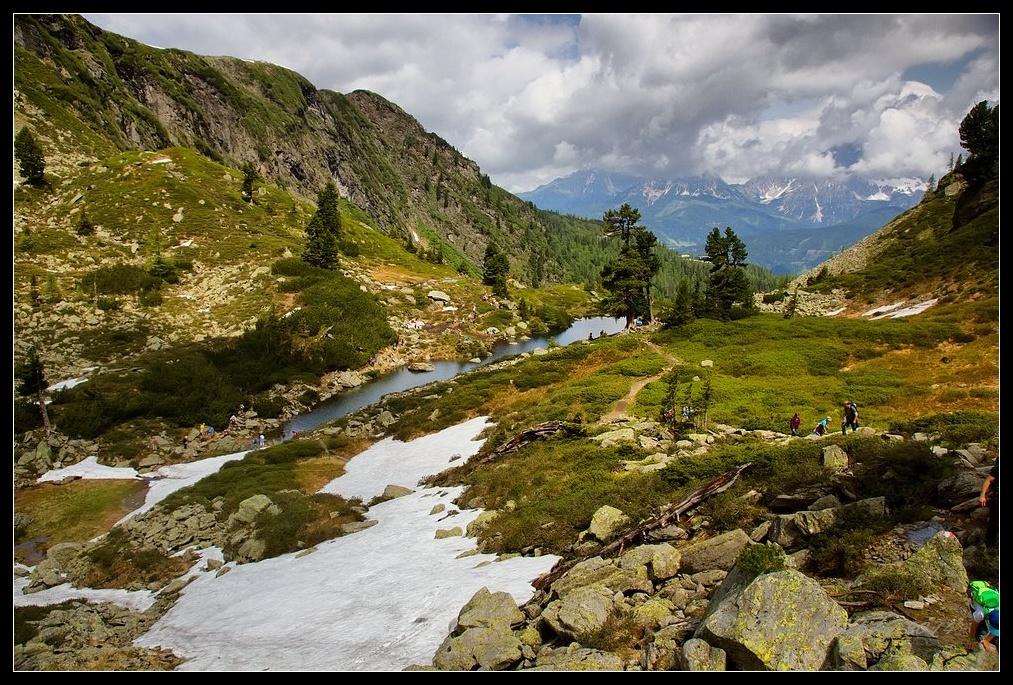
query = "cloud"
{"x": 531, "y": 98}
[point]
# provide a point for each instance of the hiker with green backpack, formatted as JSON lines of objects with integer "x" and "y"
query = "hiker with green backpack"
{"x": 984, "y": 614}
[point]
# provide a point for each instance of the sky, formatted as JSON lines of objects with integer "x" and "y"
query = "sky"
{"x": 535, "y": 97}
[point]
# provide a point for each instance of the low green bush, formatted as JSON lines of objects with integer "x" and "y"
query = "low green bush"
{"x": 756, "y": 560}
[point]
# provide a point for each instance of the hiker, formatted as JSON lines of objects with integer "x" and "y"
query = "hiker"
{"x": 850, "y": 417}
{"x": 253, "y": 443}
{"x": 795, "y": 423}
{"x": 602, "y": 333}
{"x": 185, "y": 441}
{"x": 590, "y": 336}
{"x": 984, "y": 614}
{"x": 202, "y": 428}
{"x": 821, "y": 427}
{"x": 262, "y": 440}
{"x": 211, "y": 430}
{"x": 686, "y": 413}
{"x": 233, "y": 420}
{"x": 989, "y": 497}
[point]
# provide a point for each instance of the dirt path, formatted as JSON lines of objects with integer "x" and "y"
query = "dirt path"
{"x": 620, "y": 409}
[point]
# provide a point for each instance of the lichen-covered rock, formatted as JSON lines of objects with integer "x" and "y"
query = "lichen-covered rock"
{"x": 581, "y": 612}
{"x": 716, "y": 553}
{"x": 835, "y": 458}
{"x": 599, "y": 571}
{"x": 653, "y": 612}
{"x": 661, "y": 560}
{"x": 697, "y": 655}
{"x": 395, "y": 491}
{"x": 251, "y": 507}
{"x": 491, "y": 648}
{"x": 778, "y": 621}
{"x": 454, "y": 532}
{"x": 480, "y": 522}
{"x": 607, "y": 522}
{"x": 577, "y": 660}
{"x": 615, "y": 437}
{"x": 900, "y": 661}
{"x": 872, "y": 634}
{"x": 489, "y": 609}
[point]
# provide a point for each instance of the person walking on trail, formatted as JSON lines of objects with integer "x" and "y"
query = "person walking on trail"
{"x": 850, "y": 417}
{"x": 795, "y": 423}
{"x": 989, "y": 497}
{"x": 262, "y": 440}
{"x": 821, "y": 427}
{"x": 590, "y": 336}
{"x": 984, "y": 614}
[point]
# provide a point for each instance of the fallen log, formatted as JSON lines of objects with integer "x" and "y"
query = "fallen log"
{"x": 529, "y": 435}
{"x": 668, "y": 514}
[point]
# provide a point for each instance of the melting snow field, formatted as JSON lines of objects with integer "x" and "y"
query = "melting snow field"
{"x": 169, "y": 479}
{"x": 66, "y": 385}
{"x": 138, "y": 601}
{"x": 912, "y": 310}
{"x": 379, "y": 599}
{"x": 88, "y": 468}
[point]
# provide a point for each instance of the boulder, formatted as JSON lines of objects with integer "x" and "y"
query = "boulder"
{"x": 395, "y": 491}
{"x": 581, "y": 612}
{"x": 607, "y": 522}
{"x": 577, "y": 660}
{"x": 386, "y": 418}
{"x": 438, "y": 296}
{"x": 661, "y": 561}
{"x": 615, "y": 437}
{"x": 825, "y": 502}
{"x": 697, "y": 655}
{"x": 777, "y": 621}
{"x": 438, "y": 509}
{"x": 707, "y": 363}
{"x": 960, "y": 487}
{"x": 480, "y": 522}
{"x": 873, "y": 634}
{"x": 598, "y": 571}
{"x": 653, "y": 613}
{"x": 716, "y": 553}
{"x": 251, "y": 507}
{"x": 420, "y": 367}
{"x": 489, "y": 610}
{"x": 671, "y": 532}
{"x": 835, "y": 458}
{"x": 489, "y": 648}
{"x": 454, "y": 532}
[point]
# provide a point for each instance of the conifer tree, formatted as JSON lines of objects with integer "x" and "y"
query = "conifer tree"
{"x": 29, "y": 154}
{"x": 495, "y": 268}
{"x": 32, "y": 376}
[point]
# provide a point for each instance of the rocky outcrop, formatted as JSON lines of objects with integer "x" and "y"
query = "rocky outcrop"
{"x": 607, "y": 522}
{"x": 872, "y": 635}
{"x": 792, "y": 530}
{"x": 939, "y": 562}
{"x": 697, "y": 655}
{"x": 778, "y": 621}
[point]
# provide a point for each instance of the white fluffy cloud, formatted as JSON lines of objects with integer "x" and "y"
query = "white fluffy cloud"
{"x": 534, "y": 98}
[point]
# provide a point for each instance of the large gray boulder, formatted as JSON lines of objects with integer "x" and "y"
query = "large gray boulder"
{"x": 599, "y": 571}
{"x": 791, "y": 530}
{"x": 395, "y": 491}
{"x": 939, "y": 562}
{"x": 251, "y": 507}
{"x": 582, "y": 612}
{"x": 776, "y": 621}
{"x": 607, "y": 522}
{"x": 489, "y": 609}
{"x": 962, "y": 486}
{"x": 873, "y": 634}
{"x": 489, "y": 648}
{"x": 660, "y": 561}
{"x": 715, "y": 553}
{"x": 834, "y": 457}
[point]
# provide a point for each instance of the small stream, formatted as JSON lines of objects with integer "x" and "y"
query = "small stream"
{"x": 402, "y": 379}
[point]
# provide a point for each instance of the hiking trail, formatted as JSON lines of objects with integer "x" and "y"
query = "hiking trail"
{"x": 620, "y": 409}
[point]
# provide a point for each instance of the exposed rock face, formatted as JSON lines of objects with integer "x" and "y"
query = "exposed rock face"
{"x": 577, "y": 660}
{"x": 607, "y": 522}
{"x": 716, "y": 553}
{"x": 582, "y": 612}
{"x": 778, "y": 621}
{"x": 939, "y": 562}
{"x": 482, "y": 638}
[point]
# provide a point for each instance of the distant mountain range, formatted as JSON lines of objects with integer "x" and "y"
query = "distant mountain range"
{"x": 790, "y": 224}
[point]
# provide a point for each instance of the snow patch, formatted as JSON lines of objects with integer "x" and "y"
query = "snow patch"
{"x": 168, "y": 479}
{"x": 140, "y": 600}
{"x": 379, "y": 599}
{"x": 879, "y": 197}
{"x": 88, "y": 469}
{"x": 66, "y": 385}
{"x": 882, "y": 310}
{"x": 160, "y": 160}
{"x": 912, "y": 310}
{"x": 835, "y": 312}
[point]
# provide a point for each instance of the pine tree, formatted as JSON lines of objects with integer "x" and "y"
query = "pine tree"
{"x": 323, "y": 230}
{"x": 30, "y": 157}
{"x": 669, "y": 411}
{"x": 979, "y": 135}
{"x": 728, "y": 283}
{"x": 960, "y": 161}
{"x": 930, "y": 185}
{"x": 681, "y": 311}
{"x": 250, "y": 176}
{"x": 84, "y": 225}
{"x": 32, "y": 376}
{"x": 495, "y": 268}
{"x": 628, "y": 278}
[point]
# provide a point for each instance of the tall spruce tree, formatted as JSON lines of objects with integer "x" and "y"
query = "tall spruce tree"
{"x": 728, "y": 283}
{"x": 628, "y": 278}
{"x": 250, "y": 177}
{"x": 323, "y": 230}
{"x": 495, "y": 268}
{"x": 979, "y": 135}
{"x": 29, "y": 154}
{"x": 32, "y": 376}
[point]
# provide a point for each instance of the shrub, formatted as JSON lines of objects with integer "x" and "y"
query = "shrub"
{"x": 164, "y": 271}
{"x": 150, "y": 298}
{"x": 770, "y": 298}
{"x": 620, "y": 631}
{"x": 266, "y": 406}
{"x": 309, "y": 397}
{"x": 349, "y": 247}
{"x": 956, "y": 428}
{"x": 897, "y": 585}
{"x": 729, "y": 510}
{"x": 108, "y": 304}
{"x": 756, "y": 560}
{"x": 120, "y": 279}
{"x": 26, "y": 416}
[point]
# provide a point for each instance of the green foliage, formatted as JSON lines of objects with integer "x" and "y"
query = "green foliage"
{"x": 266, "y": 406}
{"x": 681, "y": 311}
{"x": 31, "y": 375}
{"x": 119, "y": 279}
{"x": 150, "y": 298}
{"x": 755, "y": 560}
{"x": 729, "y": 510}
{"x": 26, "y": 416}
{"x": 628, "y": 278}
{"x": 29, "y": 154}
{"x": 84, "y": 225}
{"x": 495, "y": 269}
{"x": 906, "y": 473}
{"x": 324, "y": 230}
{"x": 956, "y": 428}
{"x": 728, "y": 284}
{"x": 620, "y": 631}
{"x": 897, "y": 585}
{"x": 250, "y": 177}
{"x": 979, "y": 135}
{"x": 108, "y": 304}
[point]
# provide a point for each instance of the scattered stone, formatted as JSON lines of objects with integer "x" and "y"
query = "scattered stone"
{"x": 697, "y": 655}
{"x": 395, "y": 491}
{"x": 607, "y": 522}
{"x": 454, "y": 532}
{"x": 716, "y": 553}
{"x": 707, "y": 363}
